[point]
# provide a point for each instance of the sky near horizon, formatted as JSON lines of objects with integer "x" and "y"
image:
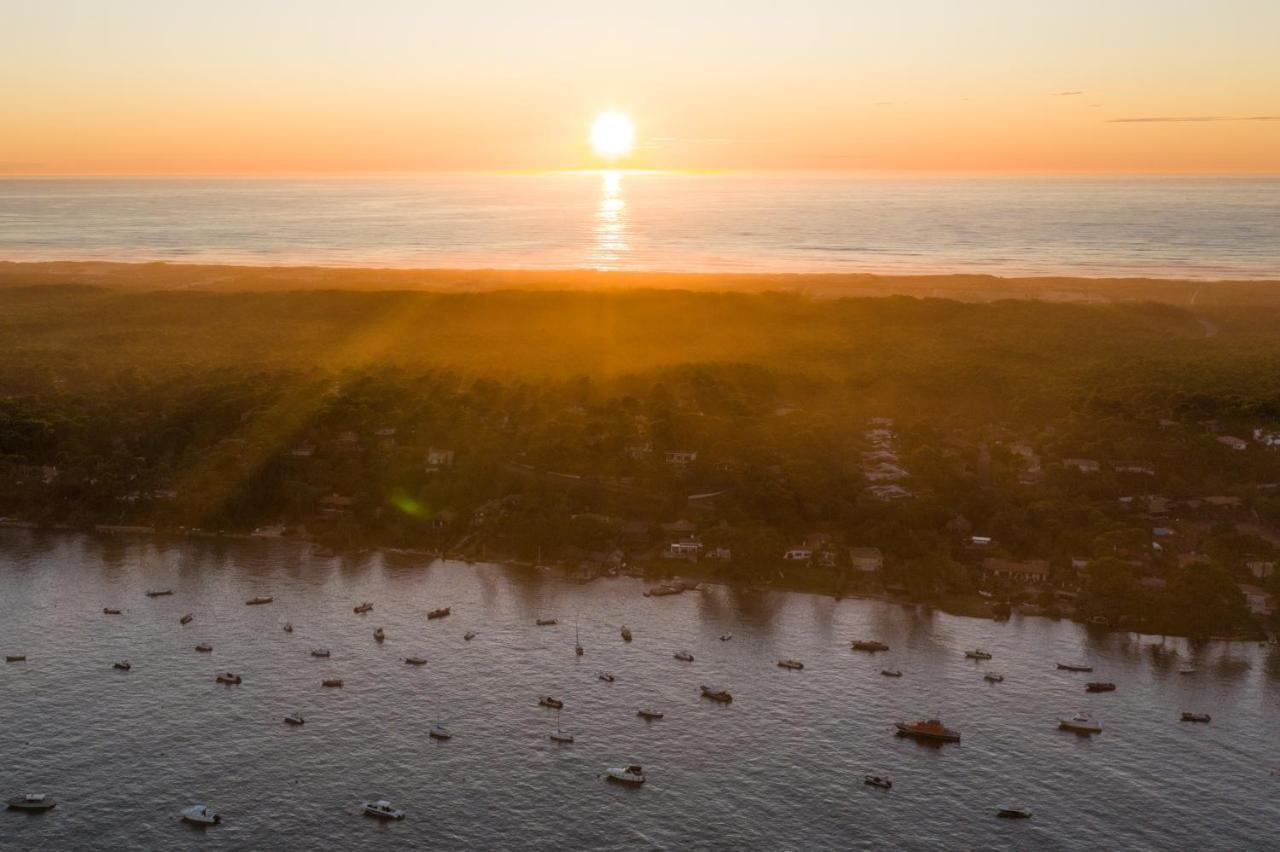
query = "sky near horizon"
{"x": 148, "y": 87}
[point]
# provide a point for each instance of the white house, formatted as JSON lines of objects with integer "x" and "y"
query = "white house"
{"x": 1259, "y": 601}
{"x": 680, "y": 456}
{"x": 798, "y": 554}
{"x": 437, "y": 457}
{"x": 1233, "y": 442}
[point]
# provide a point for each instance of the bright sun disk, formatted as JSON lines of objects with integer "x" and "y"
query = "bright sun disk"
{"x": 612, "y": 135}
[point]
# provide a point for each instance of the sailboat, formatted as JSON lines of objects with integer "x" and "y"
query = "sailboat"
{"x": 560, "y": 736}
{"x": 439, "y": 731}
{"x": 577, "y": 647}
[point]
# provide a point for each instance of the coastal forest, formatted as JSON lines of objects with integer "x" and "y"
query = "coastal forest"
{"x": 1113, "y": 461}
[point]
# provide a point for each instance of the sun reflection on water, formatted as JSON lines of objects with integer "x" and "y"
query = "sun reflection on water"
{"x": 611, "y": 227}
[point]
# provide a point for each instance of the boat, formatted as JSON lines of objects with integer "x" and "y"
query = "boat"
{"x": 978, "y": 654}
{"x": 379, "y": 635}
{"x": 259, "y": 601}
{"x": 626, "y": 633}
{"x": 15, "y": 658}
{"x": 891, "y": 672}
{"x": 200, "y": 815}
{"x": 335, "y": 682}
{"x": 1013, "y": 812}
{"x": 288, "y": 628}
{"x": 295, "y": 719}
{"x": 577, "y": 641}
{"x": 632, "y": 774}
{"x": 159, "y": 594}
{"x": 320, "y": 652}
{"x": 684, "y": 656}
{"x": 415, "y": 661}
{"x": 725, "y": 637}
{"x": 928, "y": 729}
{"x": 717, "y": 694}
{"x": 382, "y": 809}
{"x": 663, "y": 590}
{"x": 1075, "y": 667}
{"x": 1187, "y": 670}
{"x": 438, "y": 613}
{"x": 993, "y": 677}
{"x": 204, "y": 647}
{"x": 31, "y": 802}
{"x": 868, "y": 645}
{"x": 1195, "y": 717}
{"x": 649, "y": 714}
{"x": 545, "y": 622}
{"x": 790, "y": 664}
{"x": 106, "y": 610}
{"x": 1099, "y": 686}
{"x": 607, "y": 677}
{"x": 561, "y": 737}
{"x": 122, "y": 665}
{"x": 877, "y": 781}
{"x": 1080, "y": 723}
{"x": 439, "y": 732}
{"x": 228, "y": 677}
{"x": 186, "y": 619}
{"x": 363, "y": 608}
{"x": 548, "y": 701}
{"x": 469, "y": 635}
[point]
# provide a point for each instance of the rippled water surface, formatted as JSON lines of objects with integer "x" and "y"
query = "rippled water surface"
{"x": 1187, "y": 227}
{"x": 779, "y": 768}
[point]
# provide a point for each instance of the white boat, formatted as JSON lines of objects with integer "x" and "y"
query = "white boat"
{"x": 382, "y": 810}
{"x": 684, "y": 656}
{"x": 978, "y": 654}
{"x": 31, "y": 802}
{"x": 631, "y": 774}
{"x": 561, "y": 737}
{"x": 201, "y": 815}
{"x": 1080, "y": 723}
{"x": 716, "y": 693}
{"x": 228, "y": 677}
{"x": 439, "y": 732}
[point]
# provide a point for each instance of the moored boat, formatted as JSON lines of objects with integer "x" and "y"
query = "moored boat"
{"x": 106, "y": 610}
{"x": 204, "y": 647}
{"x": 993, "y": 677}
{"x": 259, "y": 600}
{"x": 122, "y": 665}
{"x": 378, "y": 635}
{"x": 469, "y": 635}
{"x": 877, "y": 781}
{"x": 561, "y": 737}
{"x": 548, "y": 701}
{"x": 928, "y": 729}
{"x": 186, "y": 619}
{"x": 201, "y": 815}
{"x": 288, "y": 628}
{"x": 790, "y": 664}
{"x": 15, "y": 658}
{"x": 891, "y": 672}
{"x": 320, "y": 652}
{"x": 439, "y": 732}
{"x": 1013, "y": 812}
{"x": 607, "y": 677}
{"x": 868, "y": 645}
{"x": 1075, "y": 667}
{"x": 361, "y": 609}
{"x": 295, "y": 719}
{"x": 31, "y": 802}
{"x": 228, "y": 677}
{"x": 632, "y": 774}
{"x": 684, "y": 656}
{"x": 649, "y": 714}
{"x": 438, "y": 613}
{"x": 1099, "y": 686}
{"x": 335, "y": 682}
{"x": 1195, "y": 717}
{"x": 382, "y": 809}
{"x": 626, "y": 633}
{"x": 715, "y": 693}
{"x": 725, "y": 637}
{"x": 159, "y": 593}
{"x": 978, "y": 654}
{"x": 545, "y": 622}
{"x": 1186, "y": 670}
{"x": 1081, "y": 723}
{"x": 415, "y": 661}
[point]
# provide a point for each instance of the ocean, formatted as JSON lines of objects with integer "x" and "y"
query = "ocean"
{"x": 1172, "y": 227}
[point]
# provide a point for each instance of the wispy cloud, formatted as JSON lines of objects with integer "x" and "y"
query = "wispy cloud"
{"x": 1192, "y": 118}
{"x": 1064, "y": 94}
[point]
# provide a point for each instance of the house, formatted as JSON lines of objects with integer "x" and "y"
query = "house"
{"x": 1139, "y": 468}
{"x": 437, "y": 458}
{"x": 798, "y": 554}
{"x": 1258, "y": 599}
{"x": 1082, "y": 465}
{"x": 1233, "y": 442}
{"x": 639, "y": 451}
{"x": 1259, "y": 569}
{"x": 979, "y": 542}
{"x": 443, "y": 519}
{"x": 684, "y": 549}
{"x": 680, "y": 457}
{"x": 1266, "y": 437}
{"x": 1031, "y": 571}
{"x": 868, "y": 559}
{"x": 721, "y": 554}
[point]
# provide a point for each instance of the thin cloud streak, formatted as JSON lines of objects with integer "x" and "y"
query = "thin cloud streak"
{"x": 1192, "y": 118}
{"x": 1064, "y": 94}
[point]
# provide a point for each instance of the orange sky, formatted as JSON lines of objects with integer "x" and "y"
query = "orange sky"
{"x": 147, "y": 87}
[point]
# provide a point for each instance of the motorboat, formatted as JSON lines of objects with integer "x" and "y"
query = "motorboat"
{"x": 715, "y": 693}
{"x": 993, "y": 677}
{"x": 415, "y": 661}
{"x": 1075, "y": 667}
{"x": 632, "y": 774}
{"x": 32, "y": 802}
{"x": 1195, "y": 717}
{"x": 320, "y": 652}
{"x": 379, "y": 635}
{"x": 288, "y": 628}
{"x": 295, "y": 719}
{"x": 725, "y": 637}
{"x": 626, "y": 633}
{"x": 361, "y": 609}
{"x": 868, "y": 645}
{"x": 186, "y": 619}
{"x": 545, "y": 622}
{"x": 607, "y": 677}
{"x": 15, "y": 658}
{"x": 122, "y": 665}
{"x": 160, "y": 593}
{"x": 877, "y": 781}
{"x": 228, "y": 677}
{"x": 106, "y": 610}
{"x": 891, "y": 672}
{"x": 204, "y": 647}
{"x": 201, "y": 815}
{"x": 1013, "y": 812}
{"x": 259, "y": 600}
{"x": 439, "y": 732}
{"x": 1099, "y": 686}
{"x": 790, "y": 664}
{"x": 382, "y": 809}
{"x": 1080, "y": 723}
{"x": 978, "y": 654}
{"x": 548, "y": 701}
{"x": 469, "y": 635}
{"x": 335, "y": 682}
{"x": 438, "y": 613}
{"x": 561, "y": 737}
{"x": 928, "y": 729}
{"x": 684, "y": 656}
{"x": 649, "y": 714}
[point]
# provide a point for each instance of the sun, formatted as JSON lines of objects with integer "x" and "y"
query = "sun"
{"x": 612, "y": 135}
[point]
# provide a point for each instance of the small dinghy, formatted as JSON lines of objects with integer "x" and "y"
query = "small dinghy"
{"x": 795, "y": 665}
{"x": 259, "y": 601}
{"x": 201, "y": 815}
{"x": 626, "y": 633}
{"x": 106, "y": 610}
{"x": 548, "y": 701}
{"x": 1075, "y": 667}
{"x": 632, "y": 774}
{"x": 438, "y": 613}
{"x": 545, "y": 622}
{"x": 891, "y": 672}
{"x": 122, "y": 665}
{"x": 320, "y": 652}
{"x": 415, "y": 661}
{"x": 16, "y": 658}
{"x": 1080, "y": 723}
{"x": 1195, "y": 717}
{"x": 649, "y": 714}
{"x": 978, "y": 654}
{"x": 228, "y": 677}
{"x": 684, "y": 656}
{"x": 715, "y": 693}
{"x": 439, "y": 732}
{"x": 378, "y": 635}
{"x": 186, "y": 619}
{"x": 159, "y": 594}
{"x": 868, "y": 645}
{"x": 295, "y": 719}
{"x": 607, "y": 677}
{"x": 204, "y": 647}
{"x": 361, "y": 609}
{"x": 288, "y": 628}
{"x": 335, "y": 682}
{"x": 469, "y": 635}
{"x": 993, "y": 677}
{"x": 1099, "y": 686}
{"x": 725, "y": 637}
{"x": 877, "y": 781}
{"x": 31, "y": 802}
{"x": 1013, "y": 812}
{"x": 382, "y": 809}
